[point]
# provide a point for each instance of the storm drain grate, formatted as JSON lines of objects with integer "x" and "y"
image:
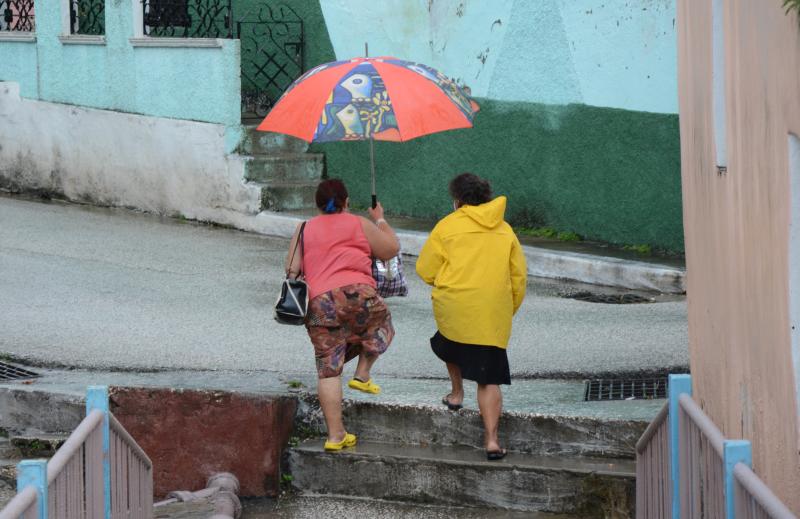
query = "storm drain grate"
{"x": 11, "y": 372}
{"x": 625, "y": 389}
{"x": 611, "y": 299}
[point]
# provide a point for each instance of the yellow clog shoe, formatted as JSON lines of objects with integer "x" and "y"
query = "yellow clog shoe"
{"x": 367, "y": 387}
{"x": 348, "y": 441}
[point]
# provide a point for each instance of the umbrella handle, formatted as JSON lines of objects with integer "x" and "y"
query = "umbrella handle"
{"x": 374, "y": 201}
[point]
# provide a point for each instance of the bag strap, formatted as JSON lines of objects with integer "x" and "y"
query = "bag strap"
{"x": 297, "y": 243}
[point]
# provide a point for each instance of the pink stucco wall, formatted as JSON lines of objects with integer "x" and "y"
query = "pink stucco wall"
{"x": 737, "y": 228}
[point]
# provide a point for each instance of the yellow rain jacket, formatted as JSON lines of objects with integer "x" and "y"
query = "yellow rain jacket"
{"x": 476, "y": 266}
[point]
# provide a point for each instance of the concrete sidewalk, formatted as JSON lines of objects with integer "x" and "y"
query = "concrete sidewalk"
{"x": 115, "y": 289}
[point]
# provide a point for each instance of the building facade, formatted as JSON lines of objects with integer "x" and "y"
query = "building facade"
{"x": 739, "y": 71}
{"x": 578, "y": 123}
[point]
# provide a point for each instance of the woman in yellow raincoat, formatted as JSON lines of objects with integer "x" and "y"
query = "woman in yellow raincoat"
{"x": 476, "y": 266}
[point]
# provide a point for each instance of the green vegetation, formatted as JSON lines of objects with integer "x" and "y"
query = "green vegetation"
{"x": 568, "y": 236}
{"x": 643, "y": 249}
{"x": 294, "y": 384}
{"x": 548, "y": 232}
{"x": 539, "y": 232}
{"x": 792, "y": 5}
{"x": 286, "y": 479}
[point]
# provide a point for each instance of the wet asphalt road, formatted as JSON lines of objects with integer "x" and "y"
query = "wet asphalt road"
{"x": 110, "y": 288}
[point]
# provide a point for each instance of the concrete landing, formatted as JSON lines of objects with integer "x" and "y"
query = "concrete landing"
{"x": 453, "y": 475}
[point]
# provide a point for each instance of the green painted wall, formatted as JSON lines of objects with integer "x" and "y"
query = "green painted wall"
{"x": 607, "y": 174}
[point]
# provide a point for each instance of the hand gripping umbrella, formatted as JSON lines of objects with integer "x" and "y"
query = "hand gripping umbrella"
{"x": 384, "y": 98}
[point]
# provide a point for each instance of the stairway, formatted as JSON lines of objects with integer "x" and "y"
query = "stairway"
{"x": 574, "y": 466}
{"x": 14, "y": 449}
{"x": 282, "y": 167}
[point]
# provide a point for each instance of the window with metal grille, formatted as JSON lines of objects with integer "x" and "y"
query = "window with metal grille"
{"x": 17, "y": 15}
{"x": 87, "y": 17}
{"x": 167, "y": 13}
{"x": 187, "y": 19}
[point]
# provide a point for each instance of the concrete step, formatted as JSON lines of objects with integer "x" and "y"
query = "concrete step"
{"x": 304, "y": 506}
{"x": 9, "y": 457}
{"x": 543, "y": 435}
{"x": 461, "y": 476}
{"x": 287, "y": 196}
{"x": 267, "y": 143}
{"x": 39, "y": 445}
{"x": 9, "y": 453}
{"x": 16, "y": 448}
{"x": 285, "y": 167}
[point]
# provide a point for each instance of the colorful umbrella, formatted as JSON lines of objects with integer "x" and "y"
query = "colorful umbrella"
{"x": 385, "y": 99}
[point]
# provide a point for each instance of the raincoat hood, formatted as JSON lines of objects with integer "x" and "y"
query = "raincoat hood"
{"x": 489, "y": 215}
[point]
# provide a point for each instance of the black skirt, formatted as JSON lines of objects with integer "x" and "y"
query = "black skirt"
{"x": 481, "y": 364}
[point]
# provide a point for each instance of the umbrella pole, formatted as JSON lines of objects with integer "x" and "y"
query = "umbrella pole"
{"x": 372, "y": 170}
{"x": 371, "y": 150}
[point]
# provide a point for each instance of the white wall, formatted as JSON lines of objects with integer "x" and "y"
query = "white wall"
{"x": 166, "y": 166}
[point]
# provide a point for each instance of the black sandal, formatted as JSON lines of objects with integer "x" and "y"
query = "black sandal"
{"x": 451, "y": 406}
{"x": 496, "y": 455}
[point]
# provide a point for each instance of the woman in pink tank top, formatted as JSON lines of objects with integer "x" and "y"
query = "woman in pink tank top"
{"x": 346, "y": 316}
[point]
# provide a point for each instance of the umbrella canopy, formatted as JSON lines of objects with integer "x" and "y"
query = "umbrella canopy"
{"x": 382, "y": 98}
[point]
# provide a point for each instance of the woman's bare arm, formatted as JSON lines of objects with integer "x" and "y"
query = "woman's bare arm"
{"x": 380, "y": 235}
{"x": 294, "y": 265}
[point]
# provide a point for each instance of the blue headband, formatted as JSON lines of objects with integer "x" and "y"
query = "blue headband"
{"x": 330, "y": 207}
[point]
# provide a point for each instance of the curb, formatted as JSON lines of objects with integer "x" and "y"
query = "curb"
{"x": 545, "y": 263}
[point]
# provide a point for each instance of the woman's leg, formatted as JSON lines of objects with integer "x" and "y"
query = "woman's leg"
{"x": 490, "y": 402}
{"x": 365, "y": 362}
{"x": 330, "y": 399}
{"x": 456, "y": 395}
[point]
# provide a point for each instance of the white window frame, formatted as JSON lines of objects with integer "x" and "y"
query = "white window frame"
{"x": 794, "y": 262}
{"x": 719, "y": 105}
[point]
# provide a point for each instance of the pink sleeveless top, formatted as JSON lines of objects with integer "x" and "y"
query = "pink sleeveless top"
{"x": 336, "y": 253}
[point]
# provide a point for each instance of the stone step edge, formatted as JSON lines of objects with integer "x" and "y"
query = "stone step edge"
{"x": 344, "y": 498}
{"x": 282, "y": 156}
{"x": 545, "y": 263}
{"x": 313, "y": 447}
{"x": 539, "y": 434}
{"x": 284, "y": 184}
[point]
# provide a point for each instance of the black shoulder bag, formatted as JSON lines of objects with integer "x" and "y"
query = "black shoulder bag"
{"x": 292, "y": 304}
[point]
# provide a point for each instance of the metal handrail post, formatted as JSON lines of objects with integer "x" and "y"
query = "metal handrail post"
{"x": 97, "y": 399}
{"x": 678, "y": 385}
{"x": 34, "y": 473}
{"x": 734, "y": 451}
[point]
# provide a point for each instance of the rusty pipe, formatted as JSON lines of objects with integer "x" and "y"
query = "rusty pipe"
{"x": 221, "y": 488}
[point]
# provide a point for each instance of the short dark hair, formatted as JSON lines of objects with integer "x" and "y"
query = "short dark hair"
{"x": 331, "y": 196}
{"x": 470, "y": 189}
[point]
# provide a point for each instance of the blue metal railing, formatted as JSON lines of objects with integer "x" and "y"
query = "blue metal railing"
{"x": 77, "y": 482}
{"x": 709, "y": 475}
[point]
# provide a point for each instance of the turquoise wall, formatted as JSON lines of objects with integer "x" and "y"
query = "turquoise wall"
{"x": 18, "y": 64}
{"x": 611, "y": 53}
{"x": 186, "y": 83}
